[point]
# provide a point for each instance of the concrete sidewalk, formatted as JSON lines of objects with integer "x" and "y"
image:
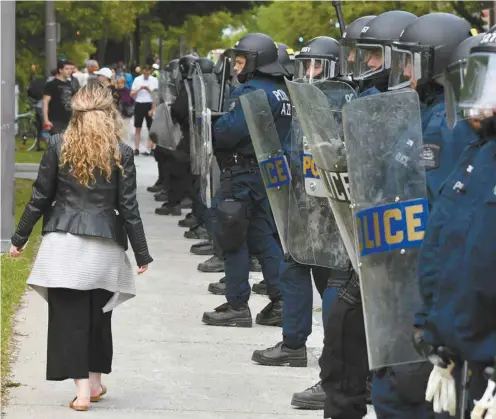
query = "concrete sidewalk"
{"x": 167, "y": 364}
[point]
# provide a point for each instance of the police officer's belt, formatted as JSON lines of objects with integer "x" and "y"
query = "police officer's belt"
{"x": 237, "y": 161}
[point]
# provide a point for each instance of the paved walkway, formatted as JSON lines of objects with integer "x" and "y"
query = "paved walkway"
{"x": 167, "y": 364}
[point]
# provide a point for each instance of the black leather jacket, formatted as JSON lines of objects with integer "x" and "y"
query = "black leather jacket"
{"x": 108, "y": 210}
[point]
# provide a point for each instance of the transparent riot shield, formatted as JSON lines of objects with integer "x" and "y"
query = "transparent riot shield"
{"x": 200, "y": 105}
{"x": 312, "y": 235}
{"x": 319, "y": 107}
{"x": 192, "y": 129}
{"x": 271, "y": 158}
{"x": 167, "y": 87}
{"x": 204, "y": 87}
{"x": 383, "y": 135}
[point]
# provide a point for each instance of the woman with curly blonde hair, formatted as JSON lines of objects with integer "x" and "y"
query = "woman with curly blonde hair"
{"x": 86, "y": 193}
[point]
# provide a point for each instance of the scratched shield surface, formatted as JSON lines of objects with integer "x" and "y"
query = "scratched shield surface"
{"x": 319, "y": 110}
{"x": 383, "y": 137}
{"x": 271, "y": 158}
{"x": 313, "y": 236}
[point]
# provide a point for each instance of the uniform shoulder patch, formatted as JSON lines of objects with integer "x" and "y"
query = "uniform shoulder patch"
{"x": 430, "y": 156}
{"x": 232, "y": 105}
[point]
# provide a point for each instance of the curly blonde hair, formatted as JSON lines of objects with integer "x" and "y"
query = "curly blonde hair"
{"x": 92, "y": 138}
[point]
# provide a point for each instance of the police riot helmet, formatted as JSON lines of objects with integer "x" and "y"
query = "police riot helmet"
{"x": 172, "y": 65}
{"x": 454, "y": 78}
{"x": 185, "y": 64}
{"x": 318, "y": 59}
{"x": 478, "y": 94}
{"x": 423, "y": 51}
{"x": 373, "y": 48}
{"x": 206, "y": 65}
{"x": 347, "y": 44}
{"x": 261, "y": 54}
{"x": 286, "y": 58}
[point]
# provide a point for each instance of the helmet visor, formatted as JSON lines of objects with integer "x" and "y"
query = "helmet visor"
{"x": 453, "y": 85}
{"x": 347, "y": 56}
{"x": 369, "y": 60}
{"x": 402, "y": 69}
{"x": 478, "y": 94}
{"x": 315, "y": 69}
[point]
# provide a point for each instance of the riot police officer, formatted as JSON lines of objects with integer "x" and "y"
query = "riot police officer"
{"x": 344, "y": 366}
{"x": 180, "y": 173}
{"x": 318, "y": 61}
{"x": 168, "y": 91}
{"x": 286, "y": 59}
{"x": 441, "y": 154}
{"x": 244, "y": 221}
{"x": 399, "y": 391}
{"x": 457, "y": 292}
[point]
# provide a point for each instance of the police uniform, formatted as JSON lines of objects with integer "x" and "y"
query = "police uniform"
{"x": 399, "y": 392}
{"x": 254, "y": 229}
{"x": 457, "y": 261}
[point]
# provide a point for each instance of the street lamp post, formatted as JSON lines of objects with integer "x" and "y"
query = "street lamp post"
{"x": 50, "y": 37}
{"x": 7, "y": 112}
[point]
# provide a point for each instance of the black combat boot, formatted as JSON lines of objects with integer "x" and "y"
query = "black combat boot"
{"x": 189, "y": 221}
{"x": 197, "y": 232}
{"x": 226, "y": 315}
{"x": 260, "y": 288}
{"x": 214, "y": 264}
{"x": 161, "y": 196}
{"x": 312, "y": 398}
{"x": 254, "y": 265}
{"x": 271, "y": 315}
{"x": 204, "y": 248}
{"x": 218, "y": 288}
{"x": 280, "y": 356}
{"x": 155, "y": 188}
{"x": 168, "y": 209}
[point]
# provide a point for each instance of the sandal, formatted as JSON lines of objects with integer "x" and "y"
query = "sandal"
{"x": 102, "y": 393}
{"x": 76, "y": 407}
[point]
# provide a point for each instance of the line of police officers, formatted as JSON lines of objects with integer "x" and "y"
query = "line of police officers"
{"x": 432, "y": 78}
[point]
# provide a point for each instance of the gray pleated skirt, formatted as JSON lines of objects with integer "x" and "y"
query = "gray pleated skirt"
{"x": 83, "y": 263}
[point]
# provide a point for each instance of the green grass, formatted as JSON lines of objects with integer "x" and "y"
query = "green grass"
{"x": 24, "y": 156}
{"x": 15, "y": 272}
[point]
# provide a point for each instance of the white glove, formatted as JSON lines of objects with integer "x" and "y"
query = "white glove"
{"x": 487, "y": 404}
{"x": 441, "y": 390}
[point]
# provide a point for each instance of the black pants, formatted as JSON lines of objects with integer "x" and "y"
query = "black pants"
{"x": 164, "y": 159}
{"x": 79, "y": 334}
{"x": 180, "y": 180}
{"x": 343, "y": 363}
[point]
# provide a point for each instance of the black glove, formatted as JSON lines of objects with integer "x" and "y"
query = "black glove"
{"x": 423, "y": 349}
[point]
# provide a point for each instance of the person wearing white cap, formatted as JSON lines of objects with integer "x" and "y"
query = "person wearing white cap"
{"x": 156, "y": 72}
{"x": 104, "y": 76}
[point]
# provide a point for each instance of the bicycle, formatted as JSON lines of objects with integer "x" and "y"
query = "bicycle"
{"x": 27, "y": 130}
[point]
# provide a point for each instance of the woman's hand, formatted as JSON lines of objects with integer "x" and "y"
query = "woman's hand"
{"x": 142, "y": 269}
{"x": 15, "y": 251}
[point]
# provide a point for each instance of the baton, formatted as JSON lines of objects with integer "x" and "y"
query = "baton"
{"x": 226, "y": 71}
{"x": 339, "y": 14}
{"x": 465, "y": 377}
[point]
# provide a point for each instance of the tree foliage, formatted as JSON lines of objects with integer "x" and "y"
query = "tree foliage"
{"x": 81, "y": 22}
